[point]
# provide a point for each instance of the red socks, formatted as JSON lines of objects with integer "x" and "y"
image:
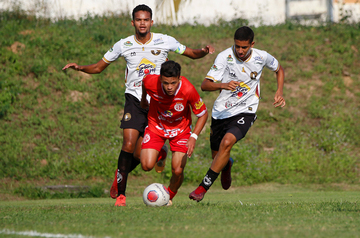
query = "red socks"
{"x": 172, "y": 194}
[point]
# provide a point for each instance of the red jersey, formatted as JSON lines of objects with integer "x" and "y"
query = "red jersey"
{"x": 169, "y": 116}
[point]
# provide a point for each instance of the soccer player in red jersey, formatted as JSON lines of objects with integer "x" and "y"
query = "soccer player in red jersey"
{"x": 169, "y": 118}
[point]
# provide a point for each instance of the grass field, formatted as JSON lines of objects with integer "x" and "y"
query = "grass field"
{"x": 268, "y": 210}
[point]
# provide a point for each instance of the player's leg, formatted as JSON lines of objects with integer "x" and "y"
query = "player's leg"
{"x": 177, "y": 168}
{"x": 150, "y": 149}
{"x": 235, "y": 128}
{"x": 136, "y": 160}
{"x": 133, "y": 124}
{"x": 219, "y": 162}
{"x": 124, "y": 163}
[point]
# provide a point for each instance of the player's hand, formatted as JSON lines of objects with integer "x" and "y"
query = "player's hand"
{"x": 208, "y": 49}
{"x": 190, "y": 144}
{"x": 71, "y": 66}
{"x": 231, "y": 85}
{"x": 279, "y": 100}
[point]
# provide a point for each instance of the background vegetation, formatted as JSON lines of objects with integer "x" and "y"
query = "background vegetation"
{"x": 63, "y": 127}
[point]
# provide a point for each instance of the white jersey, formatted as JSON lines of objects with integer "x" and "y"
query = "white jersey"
{"x": 140, "y": 56}
{"x": 228, "y": 67}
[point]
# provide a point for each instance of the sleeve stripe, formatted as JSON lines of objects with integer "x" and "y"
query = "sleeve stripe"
{"x": 201, "y": 113}
{"x": 106, "y": 61}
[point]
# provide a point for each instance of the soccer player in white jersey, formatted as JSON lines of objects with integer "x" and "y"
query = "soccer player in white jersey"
{"x": 144, "y": 52}
{"x": 236, "y": 73}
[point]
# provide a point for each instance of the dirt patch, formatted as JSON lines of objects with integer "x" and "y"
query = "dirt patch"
{"x": 17, "y": 47}
{"x": 76, "y": 96}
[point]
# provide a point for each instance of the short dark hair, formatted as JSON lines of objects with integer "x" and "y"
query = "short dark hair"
{"x": 141, "y": 7}
{"x": 170, "y": 69}
{"x": 244, "y": 33}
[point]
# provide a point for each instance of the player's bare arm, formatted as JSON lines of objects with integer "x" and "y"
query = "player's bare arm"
{"x": 209, "y": 85}
{"x": 200, "y": 123}
{"x": 198, "y": 53}
{"x": 278, "y": 99}
{"x": 89, "y": 69}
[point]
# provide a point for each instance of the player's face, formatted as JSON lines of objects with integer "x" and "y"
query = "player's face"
{"x": 170, "y": 84}
{"x": 243, "y": 49}
{"x": 142, "y": 23}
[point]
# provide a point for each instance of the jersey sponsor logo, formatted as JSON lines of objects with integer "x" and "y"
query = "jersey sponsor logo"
{"x": 168, "y": 132}
{"x": 128, "y": 43}
{"x": 167, "y": 113}
{"x": 179, "y": 107}
{"x": 272, "y": 62}
{"x": 240, "y": 90}
{"x": 232, "y": 74}
{"x": 250, "y": 108}
{"x": 199, "y": 104}
{"x": 146, "y": 138}
{"x": 145, "y": 64}
{"x": 158, "y": 41}
{"x": 111, "y": 49}
{"x": 137, "y": 84}
{"x": 157, "y": 52}
{"x": 228, "y": 104}
{"x": 253, "y": 75}
{"x": 127, "y": 117}
{"x": 133, "y": 54}
{"x": 214, "y": 67}
{"x": 178, "y": 99}
{"x": 259, "y": 59}
{"x": 182, "y": 142}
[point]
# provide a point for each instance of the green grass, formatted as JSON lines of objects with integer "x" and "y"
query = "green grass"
{"x": 63, "y": 127}
{"x": 268, "y": 210}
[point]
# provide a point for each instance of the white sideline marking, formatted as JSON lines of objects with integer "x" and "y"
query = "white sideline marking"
{"x": 35, "y": 233}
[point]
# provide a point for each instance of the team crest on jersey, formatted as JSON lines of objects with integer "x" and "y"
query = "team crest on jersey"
{"x": 179, "y": 107}
{"x": 128, "y": 43}
{"x": 199, "y": 104}
{"x": 214, "y": 67}
{"x": 157, "y": 52}
{"x": 228, "y": 104}
{"x": 240, "y": 90}
{"x": 127, "y": 117}
{"x": 146, "y": 138}
{"x": 167, "y": 113}
{"x": 253, "y": 75}
{"x": 229, "y": 59}
{"x": 145, "y": 64}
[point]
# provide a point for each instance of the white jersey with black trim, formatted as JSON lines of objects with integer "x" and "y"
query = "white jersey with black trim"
{"x": 140, "y": 56}
{"x": 228, "y": 67}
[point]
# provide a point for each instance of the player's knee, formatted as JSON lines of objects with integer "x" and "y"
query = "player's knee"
{"x": 128, "y": 146}
{"x": 226, "y": 144}
{"x": 178, "y": 171}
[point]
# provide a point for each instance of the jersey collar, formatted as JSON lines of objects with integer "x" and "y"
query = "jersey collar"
{"x": 151, "y": 37}
{"x": 247, "y": 60}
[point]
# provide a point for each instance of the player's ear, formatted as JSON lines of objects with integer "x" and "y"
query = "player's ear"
{"x": 152, "y": 22}
{"x": 132, "y": 22}
{"x": 252, "y": 44}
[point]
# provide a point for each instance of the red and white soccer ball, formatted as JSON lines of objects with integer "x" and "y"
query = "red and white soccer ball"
{"x": 156, "y": 195}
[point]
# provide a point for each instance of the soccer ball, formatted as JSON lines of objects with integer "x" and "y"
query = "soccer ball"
{"x": 156, "y": 195}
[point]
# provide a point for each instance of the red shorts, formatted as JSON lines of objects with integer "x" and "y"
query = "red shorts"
{"x": 154, "y": 141}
